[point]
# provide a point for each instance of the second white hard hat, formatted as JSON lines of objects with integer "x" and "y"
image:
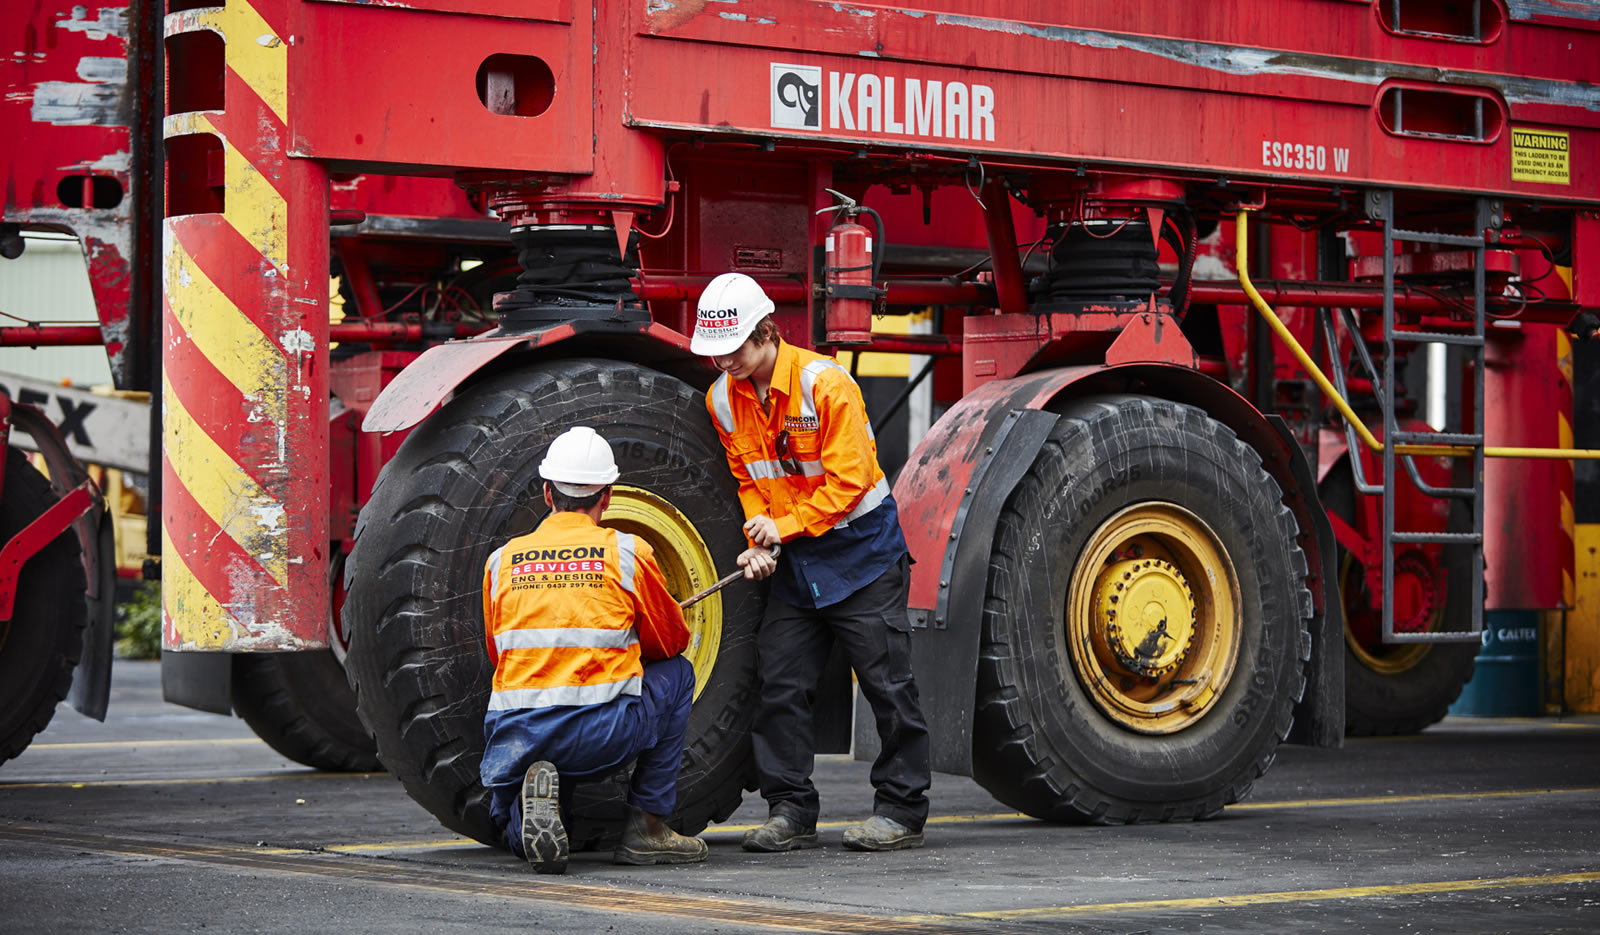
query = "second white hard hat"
{"x": 579, "y": 463}
{"x": 729, "y": 309}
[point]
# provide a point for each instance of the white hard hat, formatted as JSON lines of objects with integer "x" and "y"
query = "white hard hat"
{"x": 729, "y": 309}
{"x": 579, "y": 463}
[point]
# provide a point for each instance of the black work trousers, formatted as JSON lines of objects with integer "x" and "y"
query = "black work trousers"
{"x": 793, "y": 646}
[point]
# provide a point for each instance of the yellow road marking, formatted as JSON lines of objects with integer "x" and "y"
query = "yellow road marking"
{"x": 378, "y": 847}
{"x": 96, "y": 783}
{"x": 124, "y": 744}
{"x": 1250, "y": 806}
{"x": 1262, "y": 899}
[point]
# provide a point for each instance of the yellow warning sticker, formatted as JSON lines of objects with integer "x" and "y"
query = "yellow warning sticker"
{"x": 1538, "y": 156}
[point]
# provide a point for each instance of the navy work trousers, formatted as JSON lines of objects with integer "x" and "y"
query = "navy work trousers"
{"x": 666, "y": 697}
{"x": 793, "y": 648}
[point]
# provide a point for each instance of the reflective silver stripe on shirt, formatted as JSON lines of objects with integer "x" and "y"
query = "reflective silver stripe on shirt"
{"x": 513, "y": 699}
{"x": 562, "y": 637}
{"x": 773, "y": 470}
{"x": 494, "y": 570}
{"x": 722, "y": 403}
{"x": 868, "y": 503}
{"x": 808, "y": 382}
{"x": 625, "y": 560}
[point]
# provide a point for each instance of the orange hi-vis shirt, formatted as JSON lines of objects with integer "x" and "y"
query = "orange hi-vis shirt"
{"x": 570, "y": 611}
{"x": 831, "y": 475}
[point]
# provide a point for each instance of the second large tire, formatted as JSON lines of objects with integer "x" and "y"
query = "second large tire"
{"x": 41, "y": 643}
{"x": 1395, "y": 689}
{"x": 1146, "y": 492}
{"x": 466, "y": 481}
{"x": 302, "y": 706}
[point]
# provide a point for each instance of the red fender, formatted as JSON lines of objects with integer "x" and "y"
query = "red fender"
{"x": 428, "y": 381}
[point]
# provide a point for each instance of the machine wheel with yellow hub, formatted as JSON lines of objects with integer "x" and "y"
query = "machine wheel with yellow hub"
{"x": 1400, "y": 688}
{"x": 466, "y": 481}
{"x": 1145, "y": 623}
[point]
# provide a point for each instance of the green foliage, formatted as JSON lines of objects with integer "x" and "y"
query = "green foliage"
{"x": 139, "y": 623}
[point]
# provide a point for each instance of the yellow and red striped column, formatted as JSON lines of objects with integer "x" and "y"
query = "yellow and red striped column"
{"x": 244, "y": 355}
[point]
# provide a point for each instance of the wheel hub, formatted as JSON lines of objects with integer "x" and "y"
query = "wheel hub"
{"x": 1153, "y": 618}
{"x": 1147, "y": 611}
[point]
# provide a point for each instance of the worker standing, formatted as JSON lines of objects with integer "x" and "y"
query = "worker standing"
{"x": 798, "y": 442}
{"x": 589, "y": 673}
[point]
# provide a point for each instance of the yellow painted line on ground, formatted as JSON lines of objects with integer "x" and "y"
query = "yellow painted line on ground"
{"x": 96, "y": 783}
{"x": 123, "y": 744}
{"x": 1250, "y": 806}
{"x": 1263, "y": 899}
{"x": 1394, "y": 799}
{"x": 379, "y": 847}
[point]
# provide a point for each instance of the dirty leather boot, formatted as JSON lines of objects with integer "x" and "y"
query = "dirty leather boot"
{"x": 881, "y": 834}
{"x": 646, "y": 839}
{"x": 544, "y": 838}
{"x": 780, "y": 833}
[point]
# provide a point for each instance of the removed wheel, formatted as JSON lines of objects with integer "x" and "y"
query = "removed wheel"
{"x": 1145, "y": 623}
{"x": 463, "y": 483}
{"x": 1400, "y": 688}
{"x": 40, "y": 644}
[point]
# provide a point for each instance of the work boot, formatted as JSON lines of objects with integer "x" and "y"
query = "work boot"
{"x": 544, "y": 838}
{"x": 881, "y": 834}
{"x": 647, "y": 840}
{"x": 780, "y": 833}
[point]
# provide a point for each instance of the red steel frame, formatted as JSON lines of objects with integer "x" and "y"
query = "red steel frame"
{"x": 559, "y": 115}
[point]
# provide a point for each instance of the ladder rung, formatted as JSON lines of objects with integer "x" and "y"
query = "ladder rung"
{"x": 1464, "y": 636}
{"x": 1470, "y": 538}
{"x": 1454, "y": 240}
{"x": 1435, "y": 438}
{"x": 1439, "y": 337}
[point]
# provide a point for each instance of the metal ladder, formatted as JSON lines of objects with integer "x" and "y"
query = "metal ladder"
{"x": 1380, "y": 206}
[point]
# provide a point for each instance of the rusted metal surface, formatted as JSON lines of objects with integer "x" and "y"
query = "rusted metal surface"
{"x": 71, "y": 89}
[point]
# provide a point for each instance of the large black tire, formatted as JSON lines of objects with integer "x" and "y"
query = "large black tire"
{"x": 463, "y": 483}
{"x": 1044, "y": 742}
{"x": 302, "y": 706}
{"x": 1402, "y": 688}
{"x": 41, "y": 643}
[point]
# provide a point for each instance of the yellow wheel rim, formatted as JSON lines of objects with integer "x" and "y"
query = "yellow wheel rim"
{"x": 1382, "y": 658}
{"x": 1153, "y": 618}
{"x": 686, "y": 562}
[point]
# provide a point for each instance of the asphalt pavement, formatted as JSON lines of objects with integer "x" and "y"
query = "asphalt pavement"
{"x": 164, "y": 819}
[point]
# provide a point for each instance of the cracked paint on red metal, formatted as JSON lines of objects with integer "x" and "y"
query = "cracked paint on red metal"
{"x": 64, "y": 90}
{"x": 1121, "y": 67}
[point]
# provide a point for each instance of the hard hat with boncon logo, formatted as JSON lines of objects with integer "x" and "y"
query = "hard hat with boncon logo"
{"x": 579, "y": 463}
{"x": 729, "y": 309}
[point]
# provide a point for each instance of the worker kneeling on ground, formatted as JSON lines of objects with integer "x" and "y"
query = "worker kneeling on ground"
{"x": 589, "y": 676}
{"x": 795, "y": 429}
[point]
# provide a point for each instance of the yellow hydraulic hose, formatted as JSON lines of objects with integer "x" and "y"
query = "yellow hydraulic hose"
{"x": 1242, "y": 261}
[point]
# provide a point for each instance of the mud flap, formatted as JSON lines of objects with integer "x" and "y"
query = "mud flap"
{"x": 199, "y": 680}
{"x": 943, "y": 647}
{"x": 91, "y": 680}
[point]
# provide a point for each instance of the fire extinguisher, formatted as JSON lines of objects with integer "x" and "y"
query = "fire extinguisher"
{"x": 850, "y": 274}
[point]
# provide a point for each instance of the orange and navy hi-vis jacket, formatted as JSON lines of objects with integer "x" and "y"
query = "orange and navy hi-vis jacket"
{"x": 569, "y": 611}
{"x": 831, "y": 475}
